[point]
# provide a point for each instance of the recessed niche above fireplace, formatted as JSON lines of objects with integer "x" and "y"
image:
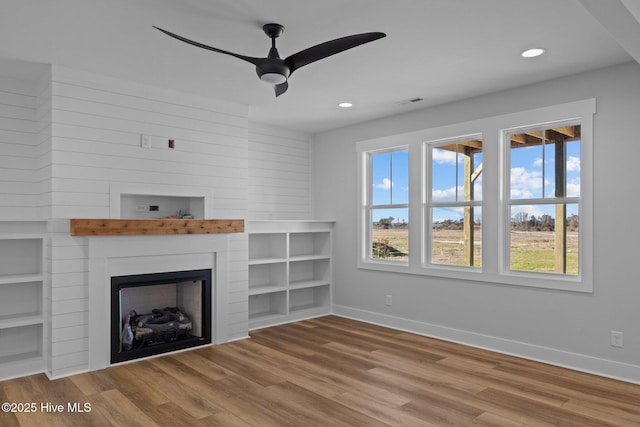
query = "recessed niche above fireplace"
{"x": 157, "y": 313}
{"x": 147, "y": 206}
{"x": 144, "y": 201}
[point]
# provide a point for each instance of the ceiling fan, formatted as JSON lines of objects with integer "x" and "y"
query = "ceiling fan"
{"x": 276, "y": 71}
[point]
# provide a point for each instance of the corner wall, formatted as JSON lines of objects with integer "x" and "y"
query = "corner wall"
{"x": 280, "y": 173}
{"x": 68, "y": 136}
{"x": 563, "y": 328}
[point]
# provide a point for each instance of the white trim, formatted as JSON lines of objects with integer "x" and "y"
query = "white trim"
{"x": 120, "y": 255}
{"x": 491, "y": 129}
{"x": 579, "y": 362}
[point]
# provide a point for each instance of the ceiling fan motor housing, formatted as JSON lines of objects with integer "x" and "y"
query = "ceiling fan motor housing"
{"x": 273, "y": 70}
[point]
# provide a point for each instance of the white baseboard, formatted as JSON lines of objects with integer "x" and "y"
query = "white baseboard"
{"x": 579, "y": 362}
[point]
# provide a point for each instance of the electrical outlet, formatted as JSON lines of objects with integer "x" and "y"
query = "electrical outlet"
{"x": 617, "y": 339}
{"x": 388, "y": 300}
{"x": 142, "y": 208}
{"x": 154, "y": 208}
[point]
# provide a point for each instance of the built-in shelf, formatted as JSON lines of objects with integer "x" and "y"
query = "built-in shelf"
{"x": 20, "y": 278}
{"x": 289, "y": 271}
{"x": 258, "y": 261}
{"x": 308, "y": 284}
{"x": 268, "y": 289}
{"x": 21, "y": 303}
{"x": 25, "y": 319}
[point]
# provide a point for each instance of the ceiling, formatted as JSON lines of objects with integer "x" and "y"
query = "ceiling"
{"x": 437, "y": 50}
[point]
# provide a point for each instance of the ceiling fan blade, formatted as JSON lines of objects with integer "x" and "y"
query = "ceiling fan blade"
{"x": 281, "y": 88}
{"x": 250, "y": 59}
{"x": 329, "y": 48}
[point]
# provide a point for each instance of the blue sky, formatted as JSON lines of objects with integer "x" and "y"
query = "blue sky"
{"x": 532, "y": 176}
{"x": 390, "y": 176}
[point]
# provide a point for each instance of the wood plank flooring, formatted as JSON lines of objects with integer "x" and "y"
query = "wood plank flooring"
{"x": 328, "y": 371}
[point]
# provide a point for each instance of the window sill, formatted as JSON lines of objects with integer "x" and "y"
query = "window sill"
{"x": 525, "y": 279}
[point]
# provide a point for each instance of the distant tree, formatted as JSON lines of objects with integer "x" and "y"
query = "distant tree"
{"x": 386, "y": 223}
{"x": 573, "y": 222}
{"x": 519, "y": 220}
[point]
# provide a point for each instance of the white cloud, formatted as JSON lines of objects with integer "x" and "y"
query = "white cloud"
{"x": 448, "y": 194}
{"x": 537, "y": 162}
{"x": 524, "y": 183}
{"x": 386, "y": 184}
{"x": 573, "y": 188}
{"x": 573, "y": 164}
{"x": 443, "y": 156}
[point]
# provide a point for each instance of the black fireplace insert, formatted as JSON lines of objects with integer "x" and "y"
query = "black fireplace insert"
{"x": 161, "y": 312}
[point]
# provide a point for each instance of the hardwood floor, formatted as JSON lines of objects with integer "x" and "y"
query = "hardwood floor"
{"x": 328, "y": 371}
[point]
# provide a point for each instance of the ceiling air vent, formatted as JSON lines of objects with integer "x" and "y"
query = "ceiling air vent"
{"x": 411, "y": 101}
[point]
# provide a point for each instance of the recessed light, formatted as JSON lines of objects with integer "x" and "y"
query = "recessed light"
{"x": 532, "y": 53}
{"x": 345, "y": 105}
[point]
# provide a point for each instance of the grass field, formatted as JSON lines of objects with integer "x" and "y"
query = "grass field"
{"x": 530, "y": 251}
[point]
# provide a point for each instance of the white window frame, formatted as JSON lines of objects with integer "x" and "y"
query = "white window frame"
{"x": 365, "y": 253}
{"x": 495, "y": 238}
{"x": 428, "y": 204}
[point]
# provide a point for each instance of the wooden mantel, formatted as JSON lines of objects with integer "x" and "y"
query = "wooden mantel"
{"x": 147, "y": 227}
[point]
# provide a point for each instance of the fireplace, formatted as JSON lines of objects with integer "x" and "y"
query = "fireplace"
{"x": 160, "y": 312}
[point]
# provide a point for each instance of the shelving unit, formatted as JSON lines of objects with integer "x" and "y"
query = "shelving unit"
{"x": 290, "y": 271}
{"x": 21, "y": 304}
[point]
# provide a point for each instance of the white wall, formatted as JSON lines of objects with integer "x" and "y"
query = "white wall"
{"x": 70, "y": 136}
{"x": 97, "y": 123}
{"x": 96, "y": 127}
{"x": 564, "y": 328}
{"x": 94, "y": 143}
{"x": 19, "y": 186}
{"x": 280, "y": 173}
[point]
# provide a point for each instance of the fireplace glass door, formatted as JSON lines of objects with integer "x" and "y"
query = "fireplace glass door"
{"x": 161, "y": 312}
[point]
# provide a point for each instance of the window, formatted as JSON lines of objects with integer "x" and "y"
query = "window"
{"x": 388, "y": 206}
{"x": 453, "y": 210}
{"x": 544, "y": 198}
{"x": 504, "y": 199}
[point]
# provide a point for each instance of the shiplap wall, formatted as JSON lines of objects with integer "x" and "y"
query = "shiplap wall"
{"x": 67, "y": 138}
{"x": 280, "y": 173}
{"x": 44, "y": 145}
{"x": 97, "y": 125}
{"x": 19, "y": 180}
{"x": 95, "y": 137}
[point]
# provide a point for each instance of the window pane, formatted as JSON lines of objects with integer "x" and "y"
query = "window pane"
{"x": 540, "y": 243}
{"x": 390, "y": 234}
{"x": 573, "y": 168}
{"x": 456, "y": 236}
{"x": 526, "y": 166}
{"x": 381, "y": 179}
{"x": 390, "y": 178}
{"x": 456, "y": 171}
{"x": 545, "y": 163}
{"x": 400, "y": 177}
{"x": 443, "y": 174}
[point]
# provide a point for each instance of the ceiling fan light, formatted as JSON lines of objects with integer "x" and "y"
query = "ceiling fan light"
{"x": 273, "y": 78}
